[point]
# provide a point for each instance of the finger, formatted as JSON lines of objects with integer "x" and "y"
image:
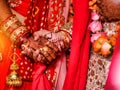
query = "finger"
{"x": 48, "y": 35}
{"x": 52, "y": 46}
{"x": 23, "y": 52}
{"x": 30, "y": 52}
{"x": 52, "y": 53}
{"x": 36, "y": 35}
{"x": 58, "y": 45}
{"x": 39, "y": 58}
{"x": 35, "y": 54}
{"x": 24, "y": 49}
{"x": 62, "y": 44}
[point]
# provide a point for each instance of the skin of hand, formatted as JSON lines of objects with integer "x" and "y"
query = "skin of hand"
{"x": 32, "y": 46}
{"x": 57, "y": 38}
{"x": 32, "y": 49}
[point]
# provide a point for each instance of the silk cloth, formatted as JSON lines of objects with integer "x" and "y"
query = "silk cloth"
{"x": 34, "y": 11}
{"x": 78, "y": 64}
{"x": 113, "y": 80}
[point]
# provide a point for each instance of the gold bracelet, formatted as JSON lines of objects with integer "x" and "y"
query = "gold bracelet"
{"x": 67, "y": 28}
{"x": 8, "y": 22}
{"x": 17, "y": 33}
{"x": 13, "y": 28}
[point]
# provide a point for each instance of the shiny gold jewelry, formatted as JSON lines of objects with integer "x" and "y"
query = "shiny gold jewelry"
{"x": 66, "y": 28}
{"x": 13, "y": 79}
{"x": 17, "y": 33}
{"x": 5, "y": 25}
{"x": 43, "y": 60}
{"x": 13, "y": 27}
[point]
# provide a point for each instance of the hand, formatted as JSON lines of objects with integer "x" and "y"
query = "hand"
{"x": 60, "y": 39}
{"x": 46, "y": 46}
{"x": 40, "y": 51}
{"x": 40, "y": 33}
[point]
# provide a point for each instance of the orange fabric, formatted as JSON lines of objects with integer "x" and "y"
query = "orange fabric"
{"x": 4, "y": 64}
{"x": 5, "y": 46}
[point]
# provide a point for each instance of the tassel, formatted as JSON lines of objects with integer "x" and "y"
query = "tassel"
{"x": 13, "y": 79}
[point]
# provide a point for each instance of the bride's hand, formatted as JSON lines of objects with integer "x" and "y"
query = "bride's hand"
{"x": 40, "y": 50}
{"x": 60, "y": 39}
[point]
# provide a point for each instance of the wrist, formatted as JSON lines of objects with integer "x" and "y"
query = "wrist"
{"x": 14, "y": 29}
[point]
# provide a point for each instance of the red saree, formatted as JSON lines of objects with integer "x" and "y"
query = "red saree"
{"x": 77, "y": 69}
{"x": 5, "y": 46}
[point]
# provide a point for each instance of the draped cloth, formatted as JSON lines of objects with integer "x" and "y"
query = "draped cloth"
{"x": 78, "y": 64}
{"x": 33, "y": 23}
{"x": 113, "y": 80}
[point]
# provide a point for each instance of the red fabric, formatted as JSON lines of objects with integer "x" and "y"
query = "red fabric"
{"x": 37, "y": 16}
{"x": 113, "y": 80}
{"x": 55, "y": 15}
{"x": 4, "y": 65}
{"x": 78, "y": 64}
{"x": 23, "y": 8}
{"x": 40, "y": 82}
{"x": 5, "y": 46}
{"x": 77, "y": 70}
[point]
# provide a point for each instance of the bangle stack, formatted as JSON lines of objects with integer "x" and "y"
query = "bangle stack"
{"x": 67, "y": 28}
{"x": 67, "y": 32}
{"x": 13, "y": 28}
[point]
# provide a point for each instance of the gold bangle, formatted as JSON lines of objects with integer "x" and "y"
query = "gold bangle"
{"x": 66, "y": 28}
{"x": 13, "y": 27}
{"x": 17, "y": 33}
{"x": 7, "y": 23}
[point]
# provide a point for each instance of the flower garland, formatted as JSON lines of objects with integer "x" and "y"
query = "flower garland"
{"x": 103, "y": 35}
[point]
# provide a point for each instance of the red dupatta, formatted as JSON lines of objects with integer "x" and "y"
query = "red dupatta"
{"x": 78, "y": 64}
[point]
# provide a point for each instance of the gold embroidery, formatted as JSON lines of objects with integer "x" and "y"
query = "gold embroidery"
{"x": 36, "y": 10}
